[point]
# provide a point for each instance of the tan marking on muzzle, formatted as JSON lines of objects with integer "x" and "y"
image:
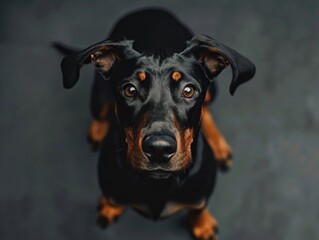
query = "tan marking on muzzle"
{"x": 184, "y": 139}
{"x": 133, "y": 139}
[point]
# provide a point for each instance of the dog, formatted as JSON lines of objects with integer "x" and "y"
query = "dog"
{"x": 159, "y": 145}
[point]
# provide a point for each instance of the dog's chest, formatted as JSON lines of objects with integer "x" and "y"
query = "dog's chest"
{"x": 169, "y": 208}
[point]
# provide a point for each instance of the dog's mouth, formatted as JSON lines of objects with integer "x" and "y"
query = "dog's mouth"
{"x": 159, "y": 171}
{"x": 159, "y": 174}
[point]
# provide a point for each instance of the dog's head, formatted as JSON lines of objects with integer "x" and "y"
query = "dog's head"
{"x": 159, "y": 96}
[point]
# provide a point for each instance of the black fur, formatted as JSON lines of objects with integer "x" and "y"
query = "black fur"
{"x": 161, "y": 45}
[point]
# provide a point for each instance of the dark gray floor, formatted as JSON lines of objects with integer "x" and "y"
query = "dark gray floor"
{"x": 48, "y": 177}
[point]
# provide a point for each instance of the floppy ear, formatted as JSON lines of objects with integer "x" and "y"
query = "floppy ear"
{"x": 103, "y": 54}
{"x": 216, "y": 56}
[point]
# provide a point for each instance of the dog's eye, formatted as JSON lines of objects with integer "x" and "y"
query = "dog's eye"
{"x": 129, "y": 90}
{"x": 188, "y": 91}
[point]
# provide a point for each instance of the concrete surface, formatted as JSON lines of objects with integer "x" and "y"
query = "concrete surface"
{"x": 48, "y": 176}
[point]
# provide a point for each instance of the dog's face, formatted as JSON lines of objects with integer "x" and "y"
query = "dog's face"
{"x": 159, "y": 99}
{"x": 158, "y": 103}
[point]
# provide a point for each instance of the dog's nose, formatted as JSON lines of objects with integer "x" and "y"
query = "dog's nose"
{"x": 159, "y": 148}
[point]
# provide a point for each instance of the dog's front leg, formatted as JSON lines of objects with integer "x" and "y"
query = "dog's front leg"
{"x": 222, "y": 150}
{"x": 203, "y": 224}
{"x": 99, "y": 127}
{"x": 108, "y": 212}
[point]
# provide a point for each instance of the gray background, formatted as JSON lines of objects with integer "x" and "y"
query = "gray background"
{"x": 48, "y": 182}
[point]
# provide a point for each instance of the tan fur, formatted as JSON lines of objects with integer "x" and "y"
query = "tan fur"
{"x": 98, "y": 130}
{"x": 100, "y": 127}
{"x": 133, "y": 138}
{"x": 184, "y": 138}
{"x": 109, "y": 210}
{"x": 222, "y": 151}
{"x": 203, "y": 225}
{"x": 142, "y": 75}
{"x": 176, "y": 76}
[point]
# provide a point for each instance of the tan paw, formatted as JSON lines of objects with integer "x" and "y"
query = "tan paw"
{"x": 108, "y": 213}
{"x": 223, "y": 153}
{"x": 203, "y": 225}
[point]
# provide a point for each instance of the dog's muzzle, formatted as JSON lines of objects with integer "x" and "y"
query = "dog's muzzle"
{"x": 159, "y": 148}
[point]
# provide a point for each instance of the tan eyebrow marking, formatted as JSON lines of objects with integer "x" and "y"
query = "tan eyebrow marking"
{"x": 142, "y": 75}
{"x": 176, "y": 76}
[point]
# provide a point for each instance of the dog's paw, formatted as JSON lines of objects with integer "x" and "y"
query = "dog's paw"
{"x": 102, "y": 222}
{"x": 204, "y": 226}
{"x": 206, "y": 233}
{"x": 223, "y": 154}
{"x": 93, "y": 144}
{"x": 97, "y": 132}
{"x": 225, "y": 164}
{"x": 108, "y": 213}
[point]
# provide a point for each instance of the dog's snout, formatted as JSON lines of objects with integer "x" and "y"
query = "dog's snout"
{"x": 159, "y": 148}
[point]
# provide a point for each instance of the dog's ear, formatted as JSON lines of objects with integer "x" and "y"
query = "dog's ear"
{"x": 103, "y": 54}
{"x": 216, "y": 56}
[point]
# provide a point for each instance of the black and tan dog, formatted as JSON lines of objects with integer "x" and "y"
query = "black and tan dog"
{"x": 150, "y": 98}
